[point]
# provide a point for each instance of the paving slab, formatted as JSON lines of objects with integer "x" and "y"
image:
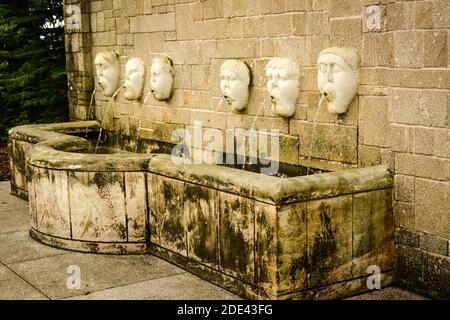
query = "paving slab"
{"x": 183, "y": 286}
{"x": 14, "y": 220}
{"x": 9, "y": 202}
{"x": 5, "y": 186}
{"x": 97, "y": 272}
{"x": 19, "y": 246}
{"x": 389, "y": 293}
{"x": 13, "y": 287}
{"x": 31, "y": 270}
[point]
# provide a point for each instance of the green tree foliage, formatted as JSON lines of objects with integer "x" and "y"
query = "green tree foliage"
{"x": 33, "y": 82}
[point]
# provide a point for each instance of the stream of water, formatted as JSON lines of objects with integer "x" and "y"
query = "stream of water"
{"x": 313, "y": 134}
{"x": 89, "y": 112}
{"x": 138, "y": 133}
{"x": 136, "y": 142}
{"x": 110, "y": 103}
{"x": 252, "y": 127}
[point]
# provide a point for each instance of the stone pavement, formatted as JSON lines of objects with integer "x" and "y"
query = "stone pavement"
{"x": 30, "y": 270}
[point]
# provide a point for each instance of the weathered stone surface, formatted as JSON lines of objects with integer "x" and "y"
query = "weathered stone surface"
{"x": 262, "y": 187}
{"x": 407, "y": 44}
{"x": 404, "y": 188}
{"x": 136, "y": 206}
{"x": 435, "y": 48}
{"x": 438, "y": 276}
{"x": 22, "y": 137}
{"x": 412, "y": 164}
{"x": 97, "y": 206}
{"x": 32, "y": 209}
{"x": 434, "y": 108}
{"x": 404, "y": 214}
{"x": 411, "y": 268}
{"x": 90, "y": 246}
{"x": 431, "y": 243}
{"x": 236, "y": 236}
{"x": 152, "y": 23}
{"x": 212, "y": 275}
{"x": 375, "y": 120}
{"x": 17, "y": 162}
{"x": 200, "y": 204}
{"x": 373, "y": 231}
{"x": 266, "y": 248}
{"x": 292, "y": 258}
{"x": 51, "y": 202}
{"x": 329, "y": 235}
{"x": 339, "y": 290}
{"x": 432, "y": 207}
{"x": 408, "y": 237}
{"x": 331, "y": 142}
{"x": 168, "y": 219}
{"x": 404, "y": 106}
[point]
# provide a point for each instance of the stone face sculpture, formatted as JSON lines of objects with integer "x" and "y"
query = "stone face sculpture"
{"x": 234, "y": 82}
{"x": 134, "y": 78}
{"x": 107, "y": 69}
{"x": 283, "y": 78}
{"x": 161, "y": 78}
{"x": 338, "y": 77}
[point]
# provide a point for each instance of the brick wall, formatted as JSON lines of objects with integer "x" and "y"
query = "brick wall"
{"x": 78, "y": 58}
{"x": 401, "y": 114}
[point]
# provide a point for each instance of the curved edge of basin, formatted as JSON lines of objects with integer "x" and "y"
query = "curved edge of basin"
{"x": 22, "y": 138}
{"x": 35, "y": 133}
{"x": 90, "y": 247}
{"x": 83, "y": 202}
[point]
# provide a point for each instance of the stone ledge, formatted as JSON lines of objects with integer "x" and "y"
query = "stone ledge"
{"x": 272, "y": 189}
{"x": 42, "y": 132}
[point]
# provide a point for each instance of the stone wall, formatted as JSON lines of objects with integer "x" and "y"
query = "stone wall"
{"x": 401, "y": 114}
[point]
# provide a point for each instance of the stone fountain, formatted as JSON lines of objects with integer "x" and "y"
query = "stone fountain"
{"x": 293, "y": 235}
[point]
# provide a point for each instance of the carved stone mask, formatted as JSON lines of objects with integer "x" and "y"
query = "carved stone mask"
{"x": 161, "y": 78}
{"x": 134, "y": 78}
{"x": 107, "y": 69}
{"x": 283, "y": 79}
{"x": 234, "y": 81}
{"x": 337, "y": 77}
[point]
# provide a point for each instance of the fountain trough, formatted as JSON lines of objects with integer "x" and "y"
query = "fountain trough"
{"x": 259, "y": 236}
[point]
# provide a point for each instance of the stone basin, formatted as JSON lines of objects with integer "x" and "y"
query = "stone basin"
{"x": 260, "y": 236}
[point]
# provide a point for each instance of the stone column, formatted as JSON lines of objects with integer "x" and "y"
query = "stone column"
{"x": 78, "y": 58}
